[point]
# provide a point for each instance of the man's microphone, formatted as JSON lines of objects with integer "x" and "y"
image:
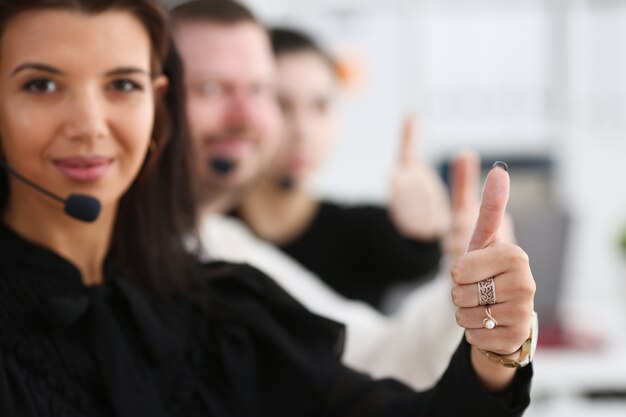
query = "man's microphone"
{"x": 79, "y": 206}
{"x": 221, "y": 165}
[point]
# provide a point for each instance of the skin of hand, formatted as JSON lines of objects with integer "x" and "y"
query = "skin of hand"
{"x": 509, "y": 266}
{"x": 419, "y": 206}
{"x": 464, "y": 191}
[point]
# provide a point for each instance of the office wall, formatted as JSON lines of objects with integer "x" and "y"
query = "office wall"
{"x": 480, "y": 76}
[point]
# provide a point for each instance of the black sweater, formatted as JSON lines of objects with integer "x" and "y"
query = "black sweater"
{"x": 359, "y": 252}
{"x": 241, "y": 347}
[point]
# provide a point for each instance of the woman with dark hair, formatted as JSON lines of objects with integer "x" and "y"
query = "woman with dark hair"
{"x": 144, "y": 213}
{"x": 111, "y": 317}
{"x": 359, "y": 250}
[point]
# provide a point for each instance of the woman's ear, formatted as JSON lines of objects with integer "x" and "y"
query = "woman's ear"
{"x": 160, "y": 83}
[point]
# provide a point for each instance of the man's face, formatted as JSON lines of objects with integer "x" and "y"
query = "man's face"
{"x": 231, "y": 107}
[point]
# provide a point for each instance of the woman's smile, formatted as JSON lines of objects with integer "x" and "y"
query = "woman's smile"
{"x": 84, "y": 168}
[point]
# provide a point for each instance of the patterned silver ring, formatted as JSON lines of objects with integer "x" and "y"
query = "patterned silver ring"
{"x": 486, "y": 292}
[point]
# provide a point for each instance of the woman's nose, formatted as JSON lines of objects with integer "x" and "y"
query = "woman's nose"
{"x": 86, "y": 118}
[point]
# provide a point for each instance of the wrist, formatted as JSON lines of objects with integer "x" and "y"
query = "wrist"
{"x": 492, "y": 376}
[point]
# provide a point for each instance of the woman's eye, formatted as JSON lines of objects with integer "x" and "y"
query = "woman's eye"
{"x": 125, "y": 86}
{"x": 40, "y": 86}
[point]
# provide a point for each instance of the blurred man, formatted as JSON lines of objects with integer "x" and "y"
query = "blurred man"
{"x": 232, "y": 111}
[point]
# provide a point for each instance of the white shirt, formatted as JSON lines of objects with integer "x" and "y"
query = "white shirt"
{"x": 414, "y": 345}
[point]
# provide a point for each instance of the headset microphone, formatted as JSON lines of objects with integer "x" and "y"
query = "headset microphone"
{"x": 79, "y": 206}
{"x": 221, "y": 165}
{"x": 286, "y": 182}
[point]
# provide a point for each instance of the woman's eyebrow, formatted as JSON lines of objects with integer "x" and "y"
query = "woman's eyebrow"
{"x": 36, "y": 66}
{"x": 127, "y": 71}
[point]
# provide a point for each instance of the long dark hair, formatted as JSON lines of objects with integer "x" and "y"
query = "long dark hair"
{"x": 158, "y": 210}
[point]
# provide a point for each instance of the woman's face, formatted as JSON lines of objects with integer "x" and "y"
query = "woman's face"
{"x": 76, "y": 102}
{"x": 306, "y": 89}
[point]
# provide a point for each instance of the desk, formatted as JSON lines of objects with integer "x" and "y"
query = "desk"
{"x": 573, "y": 407}
{"x": 562, "y": 373}
{"x": 563, "y": 377}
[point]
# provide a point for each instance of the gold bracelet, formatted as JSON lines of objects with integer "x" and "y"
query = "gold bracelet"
{"x": 499, "y": 359}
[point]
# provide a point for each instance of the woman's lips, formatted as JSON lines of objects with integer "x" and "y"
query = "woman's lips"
{"x": 83, "y": 168}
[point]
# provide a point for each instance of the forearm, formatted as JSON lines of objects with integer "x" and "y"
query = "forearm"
{"x": 457, "y": 393}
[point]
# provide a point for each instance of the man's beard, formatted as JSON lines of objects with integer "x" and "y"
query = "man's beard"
{"x": 219, "y": 173}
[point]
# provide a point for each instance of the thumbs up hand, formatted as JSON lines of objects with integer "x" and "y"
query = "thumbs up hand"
{"x": 505, "y": 326}
{"x": 419, "y": 205}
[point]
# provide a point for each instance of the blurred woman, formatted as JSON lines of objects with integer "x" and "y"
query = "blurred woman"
{"x": 361, "y": 250}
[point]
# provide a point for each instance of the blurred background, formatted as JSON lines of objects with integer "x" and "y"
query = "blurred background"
{"x": 540, "y": 84}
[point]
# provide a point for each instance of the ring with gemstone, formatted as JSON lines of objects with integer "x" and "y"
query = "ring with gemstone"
{"x": 489, "y": 322}
{"x": 486, "y": 292}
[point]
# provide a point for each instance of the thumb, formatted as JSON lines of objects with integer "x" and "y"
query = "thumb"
{"x": 464, "y": 182}
{"x": 492, "y": 207}
{"x": 408, "y": 141}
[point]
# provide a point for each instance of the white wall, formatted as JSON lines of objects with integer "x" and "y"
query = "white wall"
{"x": 594, "y": 154}
{"x": 478, "y": 76}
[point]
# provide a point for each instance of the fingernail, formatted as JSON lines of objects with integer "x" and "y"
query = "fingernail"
{"x": 502, "y": 165}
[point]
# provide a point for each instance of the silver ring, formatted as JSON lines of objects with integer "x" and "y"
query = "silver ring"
{"x": 486, "y": 292}
{"x": 489, "y": 322}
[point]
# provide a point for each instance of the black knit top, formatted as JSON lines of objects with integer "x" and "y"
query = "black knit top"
{"x": 358, "y": 251}
{"x": 237, "y": 346}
